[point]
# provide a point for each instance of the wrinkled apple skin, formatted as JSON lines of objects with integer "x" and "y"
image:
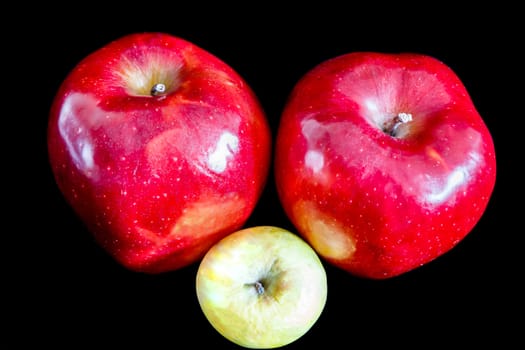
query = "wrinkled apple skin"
{"x": 372, "y": 200}
{"x": 158, "y": 178}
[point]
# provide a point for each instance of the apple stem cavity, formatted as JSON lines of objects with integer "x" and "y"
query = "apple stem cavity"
{"x": 158, "y": 89}
{"x": 391, "y": 127}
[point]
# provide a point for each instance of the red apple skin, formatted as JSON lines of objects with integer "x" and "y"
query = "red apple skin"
{"x": 374, "y": 203}
{"x": 160, "y": 178}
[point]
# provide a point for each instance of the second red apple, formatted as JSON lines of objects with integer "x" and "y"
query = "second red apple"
{"x": 383, "y": 162}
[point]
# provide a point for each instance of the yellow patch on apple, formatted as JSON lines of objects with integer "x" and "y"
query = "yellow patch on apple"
{"x": 209, "y": 214}
{"x": 325, "y": 234}
{"x": 202, "y": 214}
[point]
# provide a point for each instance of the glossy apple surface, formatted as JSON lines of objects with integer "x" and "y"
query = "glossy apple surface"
{"x": 383, "y": 162}
{"x": 160, "y": 147}
{"x": 262, "y": 287}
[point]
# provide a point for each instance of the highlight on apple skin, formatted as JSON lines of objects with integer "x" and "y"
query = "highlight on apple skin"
{"x": 160, "y": 148}
{"x": 262, "y": 287}
{"x": 382, "y": 161}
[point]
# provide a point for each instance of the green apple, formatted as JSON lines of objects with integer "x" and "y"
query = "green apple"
{"x": 261, "y": 287}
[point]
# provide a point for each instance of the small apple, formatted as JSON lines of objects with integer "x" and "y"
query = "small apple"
{"x": 160, "y": 147}
{"x": 382, "y": 161}
{"x": 262, "y": 287}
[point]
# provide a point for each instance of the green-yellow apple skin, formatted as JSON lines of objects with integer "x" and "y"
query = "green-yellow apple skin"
{"x": 262, "y": 287}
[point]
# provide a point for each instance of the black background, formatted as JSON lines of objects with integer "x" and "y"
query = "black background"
{"x": 67, "y": 291}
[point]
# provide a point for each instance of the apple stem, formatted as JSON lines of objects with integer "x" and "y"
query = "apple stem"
{"x": 399, "y": 119}
{"x": 259, "y": 287}
{"x": 158, "y": 89}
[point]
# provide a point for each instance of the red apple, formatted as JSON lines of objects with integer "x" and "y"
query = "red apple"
{"x": 160, "y": 147}
{"x": 383, "y": 162}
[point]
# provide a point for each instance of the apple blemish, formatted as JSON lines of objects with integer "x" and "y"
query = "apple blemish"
{"x": 327, "y": 236}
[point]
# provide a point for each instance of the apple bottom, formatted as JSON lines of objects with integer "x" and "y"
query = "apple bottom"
{"x": 155, "y": 258}
{"x": 384, "y": 255}
{"x": 149, "y": 249}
